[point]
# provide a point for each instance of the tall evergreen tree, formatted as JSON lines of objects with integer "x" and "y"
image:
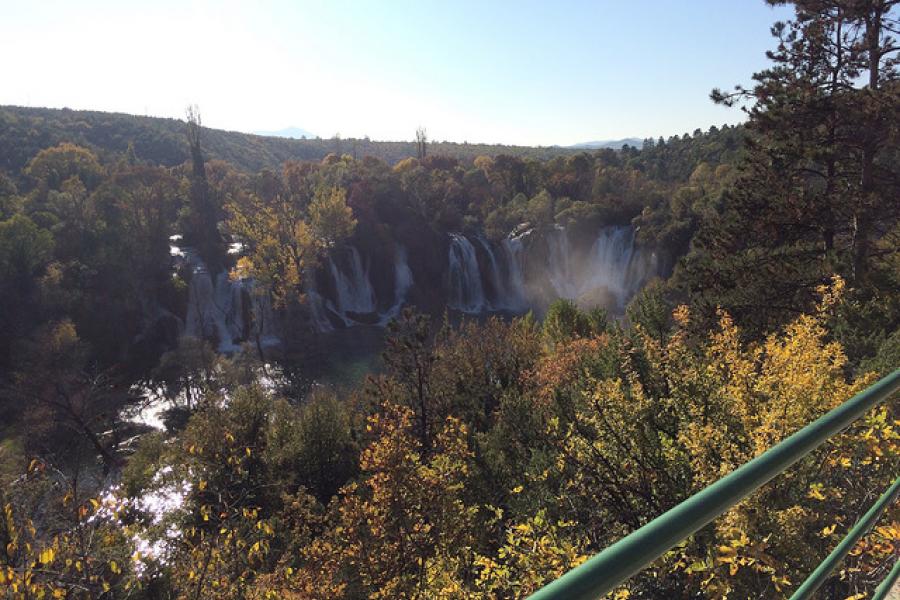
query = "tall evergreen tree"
{"x": 817, "y": 190}
{"x": 203, "y": 217}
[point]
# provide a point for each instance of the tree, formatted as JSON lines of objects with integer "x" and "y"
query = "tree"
{"x": 71, "y": 408}
{"x": 410, "y": 358}
{"x": 404, "y": 529}
{"x": 802, "y": 206}
{"x": 421, "y": 143}
{"x": 202, "y": 224}
{"x": 287, "y": 235}
{"x": 59, "y": 542}
{"x": 25, "y": 251}
{"x": 564, "y": 322}
{"x": 51, "y": 167}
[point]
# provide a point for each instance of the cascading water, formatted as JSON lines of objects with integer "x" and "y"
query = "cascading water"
{"x": 316, "y": 305}
{"x": 466, "y": 291}
{"x": 559, "y": 258}
{"x": 506, "y": 276}
{"x": 516, "y": 294}
{"x": 499, "y": 293}
{"x": 403, "y": 282}
{"x": 612, "y": 270}
{"x": 610, "y": 258}
{"x": 353, "y": 288}
{"x": 214, "y": 311}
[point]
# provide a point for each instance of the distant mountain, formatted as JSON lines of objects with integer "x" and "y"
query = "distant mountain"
{"x": 614, "y": 144}
{"x": 288, "y": 132}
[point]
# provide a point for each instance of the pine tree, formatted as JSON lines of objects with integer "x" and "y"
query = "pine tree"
{"x": 815, "y": 191}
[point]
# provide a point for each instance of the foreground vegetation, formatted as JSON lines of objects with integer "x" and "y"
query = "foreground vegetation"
{"x": 482, "y": 463}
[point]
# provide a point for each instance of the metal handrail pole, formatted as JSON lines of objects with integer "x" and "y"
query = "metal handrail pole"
{"x": 882, "y": 590}
{"x": 862, "y": 527}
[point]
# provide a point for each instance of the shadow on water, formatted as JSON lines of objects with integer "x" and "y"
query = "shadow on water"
{"x": 340, "y": 358}
{"x": 344, "y": 357}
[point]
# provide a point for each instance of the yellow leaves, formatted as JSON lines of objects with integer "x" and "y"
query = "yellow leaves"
{"x": 827, "y": 531}
{"x": 265, "y": 528}
{"x": 815, "y": 492}
{"x": 46, "y": 556}
{"x": 243, "y": 269}
{"x": 726, "y": 553}
{"x": 330, "y": 217}
{"x": 830, "y": 295}
{"x": 780, "y": 582}
{"x": 682, "y": 316}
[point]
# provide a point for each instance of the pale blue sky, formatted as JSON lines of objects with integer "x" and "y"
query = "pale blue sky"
{"x": 551, "y": 72}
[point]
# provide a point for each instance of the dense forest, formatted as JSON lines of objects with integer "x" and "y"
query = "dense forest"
{"x": 244, "y": 367}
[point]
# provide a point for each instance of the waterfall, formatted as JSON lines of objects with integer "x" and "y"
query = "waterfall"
{"x": 264, "y": 320}
{"x": 466, "y": 292}
{"x": 316, "y": 305}
{"x": 499, "y": 296}
{"x": 609, "y": 261}
{"x": 559, "y": 257}
{"x": 512, "y": 249}
{"x": 214, "y": 311}
{"x": 403, "y": 282}
{"x": 505, "y": 274}
{"x": 611, "y": 272}
{"x": 353, "y": 289}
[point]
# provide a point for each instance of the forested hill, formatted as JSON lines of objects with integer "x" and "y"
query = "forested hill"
{"x": 25, "y": 131}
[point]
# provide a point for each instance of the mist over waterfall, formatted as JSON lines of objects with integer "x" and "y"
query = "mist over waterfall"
{"x": 516, "y": 274}
{"x": 559, "y": 260}
{"x": 617, "y": 265}
{"x": 608, "y": 273}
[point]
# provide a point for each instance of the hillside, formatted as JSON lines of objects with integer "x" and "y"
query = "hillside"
{"x": 25, "y": 131}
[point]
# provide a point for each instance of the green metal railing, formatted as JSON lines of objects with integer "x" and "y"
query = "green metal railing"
{"x": 602, "y": 573}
